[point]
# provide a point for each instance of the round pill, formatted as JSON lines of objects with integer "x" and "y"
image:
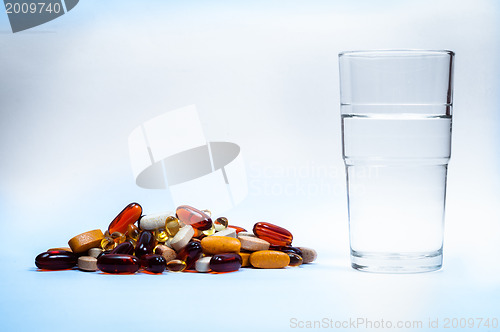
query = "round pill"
{"x": 85, "y": 241}
{"x": 203, "y": 264}
{"x": 269, "y": 259}
{"x": 253, "y": 243}
{"x": 94, "y": 252}
{"x": 308, "y": 255}
{"x": 182, "y": 237}
{"x": 87, "y": 263}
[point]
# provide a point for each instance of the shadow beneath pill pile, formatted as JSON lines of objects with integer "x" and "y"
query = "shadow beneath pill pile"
{"x": 34, "y": 269}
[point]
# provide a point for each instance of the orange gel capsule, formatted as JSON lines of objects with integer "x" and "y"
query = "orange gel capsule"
{"x": 237, "y": 228}
{"x": 273, "y": 234}
{"x": 194, "y": 217}
{"x": 129, "y": 215}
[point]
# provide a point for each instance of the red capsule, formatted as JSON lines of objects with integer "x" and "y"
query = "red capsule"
{"x": 287, "y": 249}
{"x": 153, "y": 263}
{"x": 273, "y": 234}
{"x": 129, "y": 215}
{"x": 237, "y": 228}
{"x": 225, "y": 262}
{"x": 56, "y": 260}
{"x": 194, "y": 217}
{"x": 145, "y": 244}
{"x": 123, "y": 248}
{"x": 118, "y": 263}
{"x": 190, "y": 253}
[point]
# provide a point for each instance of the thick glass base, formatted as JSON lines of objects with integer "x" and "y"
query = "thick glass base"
{"x": 397, "y": 262}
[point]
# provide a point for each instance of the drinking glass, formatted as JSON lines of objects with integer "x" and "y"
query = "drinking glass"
{"x": 396, "y": 111}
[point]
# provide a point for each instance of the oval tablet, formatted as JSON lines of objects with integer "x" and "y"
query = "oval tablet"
{"x": 252, "y": 243}
{"x": 213, "y": 245}
{"x": 182, "y": 237}
{"x": 269, "y": 259}
{"x": 85, "y": 241}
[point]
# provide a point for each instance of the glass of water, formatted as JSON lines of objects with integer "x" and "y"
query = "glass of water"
{"x": 396, "y": 109}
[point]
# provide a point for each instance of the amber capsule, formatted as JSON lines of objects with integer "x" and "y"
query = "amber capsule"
{"x": 172, "y": 226}
{"x": 161, "y": 235}
{"x": 190, "y": 253}
{"x": 237, "y": 228}
{"x": 273, "y": 234}
{"x": 287, "y": 249}
{"x": 225, "y": 262}
{"x": 153, "y": 263}
{"x": 118, "y": 237}
{"x": 133, "y": 232}
{"x": 145, "y": 244}
{"x": 56, "y": 260}
{"x": 118, "y": 263}
{"x": 107, "y": 243}
{"x": 194, "y": 217}
{"x": 124, "y": 248}
{"x": 129, "y": 215}
{"x": 221, "y": 223}
{"x": 295, "y": 260}
{"x": 176, "y": 265}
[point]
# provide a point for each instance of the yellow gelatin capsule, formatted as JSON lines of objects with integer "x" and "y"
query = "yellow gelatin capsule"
{"x": 133, "y": 232}
{"x": 209, "y": 231}
{"x": 118, "y": 237}
{"x": 108, "y": 243}
{"x": 161, "y": 235}
{"x": 221, "y": 224}
{"x": 172, "y": 226}
{"x": 176, "y": 265}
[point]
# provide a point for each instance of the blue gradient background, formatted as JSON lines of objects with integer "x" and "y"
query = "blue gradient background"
{"x": 264, "y": 74}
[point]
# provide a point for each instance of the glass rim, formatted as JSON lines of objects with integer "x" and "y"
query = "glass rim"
{"x": 395, "y": 53}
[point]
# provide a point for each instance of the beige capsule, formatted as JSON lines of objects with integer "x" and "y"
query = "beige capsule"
{"x": 309, "y": 255}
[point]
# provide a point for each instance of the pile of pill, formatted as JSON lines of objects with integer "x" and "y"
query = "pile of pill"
{"x": 187, "y": 240}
